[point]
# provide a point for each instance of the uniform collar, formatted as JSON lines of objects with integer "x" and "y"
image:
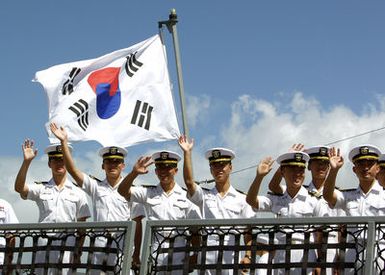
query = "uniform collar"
{"x": 230, "y": 192}
{"x": 67, "y": 183}
{"x": 105, "y": 181}
{"x": 177, "y": 189}
{"x": 301, "y": 195}
{"x": 376, "y": 188}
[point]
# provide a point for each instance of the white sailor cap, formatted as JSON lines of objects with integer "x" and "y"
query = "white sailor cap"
{"x": 219, "y": 154}
{"x": 55, "y": 150}
{"x": 318, "y": 152}
{"x": 364, "y": 151}
{"x": 295, "y": 158}
{"x": 113, "y": 152}
{"x": 167, "y": 158}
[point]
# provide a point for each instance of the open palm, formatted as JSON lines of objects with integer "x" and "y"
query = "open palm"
{"x": 29, "y": 152}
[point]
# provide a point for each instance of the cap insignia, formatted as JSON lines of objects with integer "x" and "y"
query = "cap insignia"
{"x": 298, "y": 157}
{"x": 364, "y": 150}
{"x": 113, "y": 150}
{"x": 216, "y": 153}
{"x": 164, "y": 155}
{"x": 323, "y": 151}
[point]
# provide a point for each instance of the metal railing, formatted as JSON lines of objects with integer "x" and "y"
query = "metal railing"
{"x": 66, "y": 248}
{"x": 285, "y": 245}
{"x": 180, "y": 247}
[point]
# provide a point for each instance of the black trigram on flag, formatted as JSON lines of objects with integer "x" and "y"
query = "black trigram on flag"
{"x": 142, "y": 114}
{"x": 132, "y": 64}
{"x": 80, "y": 108}
{"x": 68, "y": 86}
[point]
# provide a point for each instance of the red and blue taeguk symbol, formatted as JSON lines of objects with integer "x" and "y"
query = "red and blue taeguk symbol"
{"x": 105, "y": 83}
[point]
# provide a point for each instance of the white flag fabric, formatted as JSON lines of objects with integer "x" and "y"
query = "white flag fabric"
{"x": 122, "y": 98}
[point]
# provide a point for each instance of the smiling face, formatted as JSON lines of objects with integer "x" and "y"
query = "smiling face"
{"x": 166, "y": 173}
{"x": 221, "y": 171}
{"x": 293, "y": 175}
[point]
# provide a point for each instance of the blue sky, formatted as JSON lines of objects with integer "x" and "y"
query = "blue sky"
{"x": 259, "y": 75}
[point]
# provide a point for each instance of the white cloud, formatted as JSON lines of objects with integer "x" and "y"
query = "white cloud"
{"x": 197, "y": 109}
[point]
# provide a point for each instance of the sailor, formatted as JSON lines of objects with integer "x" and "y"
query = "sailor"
{"x": 222, "y": 201}
{"x": 368, "y": 199}
{"x": 58, "y": 200}
{"x": 164, "y": 201}
{"x": 295, "y": 202}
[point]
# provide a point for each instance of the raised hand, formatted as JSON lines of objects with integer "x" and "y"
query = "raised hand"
{"x": 265, "y": 166}
{"x": 336, "y": 160}
{"x": 29, "y": 151}
{"x": 297, "y": 147}
{"x": 140, "y": 167}
{"x": 185, "y": 144}
{"x": 60, "y": 133}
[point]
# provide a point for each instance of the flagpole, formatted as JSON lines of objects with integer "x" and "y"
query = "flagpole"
{"x": 171, "y": 26}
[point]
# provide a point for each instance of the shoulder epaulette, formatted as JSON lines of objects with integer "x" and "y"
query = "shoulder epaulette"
{"x": 41, "y": 182}
{"x": 94, "y": 178}
{"x": 315, "y": 194}
{"x": 149, "y": 186}
{"x": 346, "y": 190}
{"x": 274, "y": 194}
{"x": 74, "y": 183}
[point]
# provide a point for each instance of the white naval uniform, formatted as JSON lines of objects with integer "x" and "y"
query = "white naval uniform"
{"x": 231, "y": 206}
{"x": 303, "y": 205}
{"x": 7, "y": 215}
{"x": 56, "y": 206}
{"x": 162, "y": 206}
{"x": 108, "y": 205}
{"x": 356, "y": 203}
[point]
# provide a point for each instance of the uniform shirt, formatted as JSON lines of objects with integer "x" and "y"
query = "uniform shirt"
{"x": 357, "y": 203}
{"x": 322, "y": 208}
{"x": 108, "y": 204}
{"x": 66, "y": 205}
{"x": 231, "y": 206}
{"x": 302, "y": 205}
{"x": 162, "y": 206}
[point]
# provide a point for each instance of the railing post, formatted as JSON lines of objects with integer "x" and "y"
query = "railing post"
{"x": 370, "y": 242}
{"x": 146, "y": 248}
{"x": 128, "y": 247}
